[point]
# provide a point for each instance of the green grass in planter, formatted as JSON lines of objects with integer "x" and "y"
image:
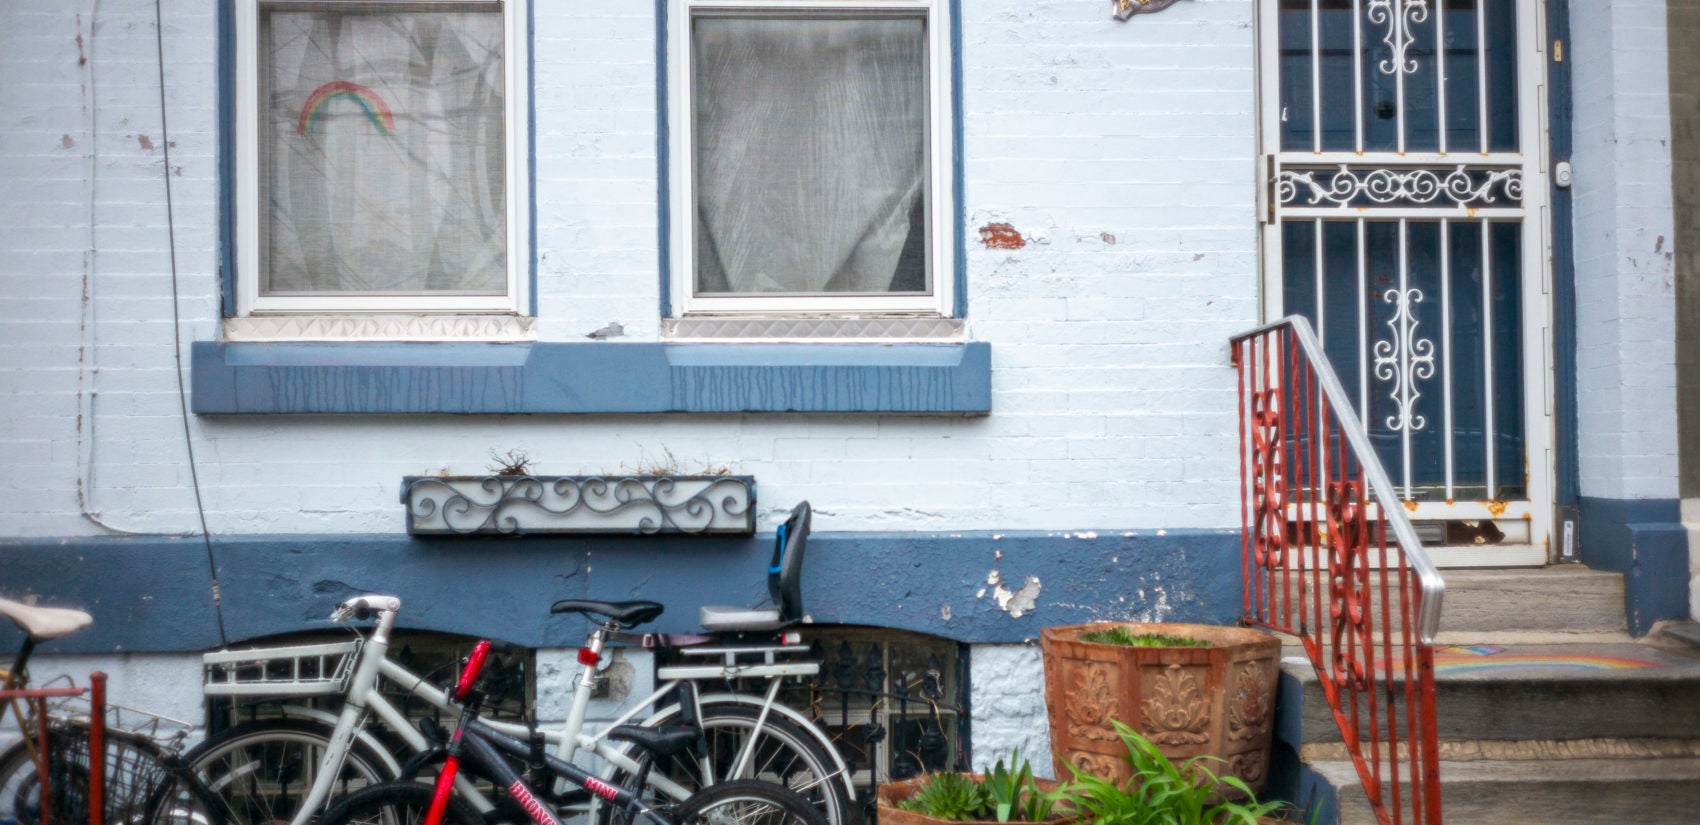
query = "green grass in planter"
{"x": 1123, "y": 636}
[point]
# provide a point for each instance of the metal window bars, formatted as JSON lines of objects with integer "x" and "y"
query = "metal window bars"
{"x": 1329, "y": 556}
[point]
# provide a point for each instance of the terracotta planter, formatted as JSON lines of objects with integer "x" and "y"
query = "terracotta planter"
{"x": 1190, "y": 701}
{"x": 890, "y": 794}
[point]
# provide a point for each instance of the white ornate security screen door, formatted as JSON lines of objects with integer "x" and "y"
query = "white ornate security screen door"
{"x": 1404, "y": 213}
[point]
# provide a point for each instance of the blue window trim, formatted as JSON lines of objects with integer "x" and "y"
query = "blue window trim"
{"x": 663, "y": 158}
{"x": 227, "y": 155}
{"x": 590, "y": 377}
{"x": 227, "y": 152}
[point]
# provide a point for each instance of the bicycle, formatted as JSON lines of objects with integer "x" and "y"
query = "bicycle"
{"x": 259, "y": 766}
{"x": 143, "y": 781}
{"x": 479, "y": 748}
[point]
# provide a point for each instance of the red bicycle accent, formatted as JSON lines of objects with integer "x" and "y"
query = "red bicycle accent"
{"x": 469, "y": 674}
{"x": 538, "y": 812}
{"x": 1328, "y": 555}
{"x": 600, "y": 788}
{"x": 445, "y": 787}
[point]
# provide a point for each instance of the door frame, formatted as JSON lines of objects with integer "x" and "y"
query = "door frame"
{"x": 1536, "y": 237}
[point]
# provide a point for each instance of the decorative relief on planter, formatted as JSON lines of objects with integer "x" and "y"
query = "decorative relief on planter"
{"x": 518, "y": 505}
{"x": 1216, "y": 701}
{"x": 1093, "y": 688}
{"x": 1097, "y": 764}
{"x": 1249, "y": 703}
{"x": 1249, "y": 766}
{"x": 1176, "y": 710}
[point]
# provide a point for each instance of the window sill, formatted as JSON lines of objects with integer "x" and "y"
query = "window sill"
{"x": 380, "y": 327}
{"x": 251, "y": 378}
{"x": 888, "y": 329}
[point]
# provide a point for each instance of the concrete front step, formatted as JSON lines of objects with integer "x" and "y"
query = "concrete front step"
{"x": 1532, "y": 692}
{"x": 1566, "y": 599}
{"x": 1515, "y": 792}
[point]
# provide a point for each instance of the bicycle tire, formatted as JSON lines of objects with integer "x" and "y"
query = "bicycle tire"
{"x": 261, "y": 769}
{"x": 397, "y": 802}
{"x": 143, "y": 784}
{"x": 18, "y": 785}
{"x": 786, "y": 756}
{"x": 747, "y": 802}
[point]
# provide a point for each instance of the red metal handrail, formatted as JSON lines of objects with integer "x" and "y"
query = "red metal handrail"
{"x": 1329, "y": 556}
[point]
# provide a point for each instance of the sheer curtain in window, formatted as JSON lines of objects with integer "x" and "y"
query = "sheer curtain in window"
{"x": 382, "y": 153}
{"x": 811, "y": 155}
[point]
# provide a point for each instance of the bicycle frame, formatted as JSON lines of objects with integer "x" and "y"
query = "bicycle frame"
{"x": 479, "y": 741}
{"x": 362, "y": 699}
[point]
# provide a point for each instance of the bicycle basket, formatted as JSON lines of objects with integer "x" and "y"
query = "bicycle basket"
{"x": 163, "y": 731}
{"x": 296, "y": 670}
{"x": 139, "y": 789}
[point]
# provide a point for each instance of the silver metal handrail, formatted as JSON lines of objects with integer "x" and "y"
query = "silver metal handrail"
{"x": 1428, "y": 576}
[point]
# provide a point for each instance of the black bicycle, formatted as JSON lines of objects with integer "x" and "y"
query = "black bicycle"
{"x": 485, "y": 753}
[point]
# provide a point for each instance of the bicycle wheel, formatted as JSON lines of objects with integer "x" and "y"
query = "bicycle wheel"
{"x": 143, "y": 785}
{"x": 262, "y": 770}
{"x": 747, "y": 802}
{"x": 783, "y": 754}
{"x": 20, "y": 787}
{"x": 397, "y": 802}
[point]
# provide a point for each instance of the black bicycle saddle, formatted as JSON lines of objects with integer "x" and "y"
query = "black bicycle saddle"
{"x": 625, "y": 614}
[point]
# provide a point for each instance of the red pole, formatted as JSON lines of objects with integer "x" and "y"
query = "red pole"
{"x": 97, "y": 747}
{"x": 42, "y": 761}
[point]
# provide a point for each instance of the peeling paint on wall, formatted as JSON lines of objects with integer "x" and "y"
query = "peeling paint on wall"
{"x": 1016, "y": 603}
{"x": 1001, "y": 236}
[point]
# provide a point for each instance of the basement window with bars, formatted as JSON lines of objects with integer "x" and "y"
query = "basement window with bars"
{"x": 894, "y": 702}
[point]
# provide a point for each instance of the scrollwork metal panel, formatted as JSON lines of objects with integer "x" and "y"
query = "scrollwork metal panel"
{"x": 1405, "y": 359}
{"x": 1398, "y": 16}
{"x": 516, "y": 505}
{"x": 1348, "y": 186}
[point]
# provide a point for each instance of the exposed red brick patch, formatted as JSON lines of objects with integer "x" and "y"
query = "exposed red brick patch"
{"x": 1001, "y": 236}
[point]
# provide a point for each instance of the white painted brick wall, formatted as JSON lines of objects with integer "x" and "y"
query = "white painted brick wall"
{"x": 1122, "y": 152}
{"x": 1625, "y": 293}
{"x": 1009, "y": 706}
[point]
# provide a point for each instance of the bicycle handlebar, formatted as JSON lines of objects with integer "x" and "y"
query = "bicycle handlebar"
{"x": 361, "y": 608}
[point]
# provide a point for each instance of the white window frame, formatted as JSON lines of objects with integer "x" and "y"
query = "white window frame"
{"x": 941, "y": 242}
{"x": 249, "y": 301}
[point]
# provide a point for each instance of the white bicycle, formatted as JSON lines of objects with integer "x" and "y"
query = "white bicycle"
{"x": 285, "y": 769}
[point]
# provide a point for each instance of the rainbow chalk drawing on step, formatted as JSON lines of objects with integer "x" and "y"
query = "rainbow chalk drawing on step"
{"x": 1490, "y": 658}
{"x": 376, "y": 109}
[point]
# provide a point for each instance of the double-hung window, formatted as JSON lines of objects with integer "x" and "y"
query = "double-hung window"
{"x": 380, "y": 161}
{"x": 810, "y": 158}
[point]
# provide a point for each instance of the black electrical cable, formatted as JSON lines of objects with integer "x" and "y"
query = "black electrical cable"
{"x": 177, "y": 326}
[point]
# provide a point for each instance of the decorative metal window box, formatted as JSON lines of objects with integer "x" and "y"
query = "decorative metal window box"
{"x": 522, "y": 505}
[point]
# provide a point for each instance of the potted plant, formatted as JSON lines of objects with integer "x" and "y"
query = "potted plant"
{"x": 1006, "y": 793}
{"x": 1159, "y": 790}
{"x": 1191, "y": 690}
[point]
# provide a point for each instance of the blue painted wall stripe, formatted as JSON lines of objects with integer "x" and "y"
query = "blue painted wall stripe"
{"x": 150, "y": 594}
{"x": 591, "y": 377}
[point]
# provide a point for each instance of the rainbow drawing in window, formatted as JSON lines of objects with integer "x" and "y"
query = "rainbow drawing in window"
{"x": 376, "y": 109}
